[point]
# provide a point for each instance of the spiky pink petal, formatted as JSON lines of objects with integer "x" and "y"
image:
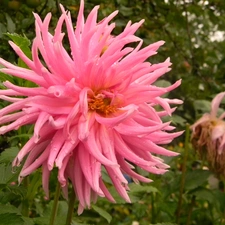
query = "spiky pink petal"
{"x": 92, "y": 107}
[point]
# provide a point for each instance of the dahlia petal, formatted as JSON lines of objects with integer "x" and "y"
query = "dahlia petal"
{"x": 58, "y": 29}
{"x": 56, "y": 144}
{"x": 26, "y": 119}
{"x": 66, "y": 149}
{"x": 74, "y": 37}
{"x": 118, "y": 185}
{"x": 126, "y": 152}
{"x": 84, "y": 126}
{"x": 10, "y": 99}
{"x": 87, "y": 194}
{"x": 45, "y": 178}
{"x": 41, "y": 120}
{"x": 94, "y": 150}
{"x": 65, "y": 191}
{"x": 24, "y": 151}
{"x": 217, "y": 131}
{"x": 61, "y": 176}
{"x": 106, "y": 192}
{"x": 29, "y": 168}
{"x": 222, "y": 116}
{"x": 51, "y": 105}
{"x": 153, "y": 76}
{"x": 216, "y": 102}
{"x": 203, "y": 119}
{"x": 20, "y": 53}
{"x": 113, "y": 121}
{"x": 10, "y": 92}
{"x": 108, "y": 150}
{"x": 125, "y": 167}
{"x": 88, "y": 164}
{"x": 153, "y": 169}
{"x": 23, "y": 73}
{"x": 58, "y": 122}
{"x": 163, "y": 137}
{"x": 13, "y": 107}
{"x": 139, "y": 130}
{"x": 11, "y": 117}
{"x": 147, "y": 145}
{"x": 79, "y": 182}
{"x": 26, "y": 91}
{"x": 93, "y": 106}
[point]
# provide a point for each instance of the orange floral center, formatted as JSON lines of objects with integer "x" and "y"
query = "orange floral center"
{"x": 101, "y": 105}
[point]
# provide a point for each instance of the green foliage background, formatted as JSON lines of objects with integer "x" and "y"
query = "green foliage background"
{"x": 188, "y": 194}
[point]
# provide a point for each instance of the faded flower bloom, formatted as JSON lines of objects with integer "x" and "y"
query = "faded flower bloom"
{"x": 208, "y": 137}
{"x": 94, "y": 107}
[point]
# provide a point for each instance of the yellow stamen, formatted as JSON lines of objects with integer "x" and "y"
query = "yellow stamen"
{"x": 101, "y": 105}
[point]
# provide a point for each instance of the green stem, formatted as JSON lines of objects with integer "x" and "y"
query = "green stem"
{"x": 153, "y": 208}
{"x": 55, "y": 205}
{"x": 70, "y": 208}
{"x": 187, "y": 137}
{"x": 25, "y": 203}
{"x": 190, "y": 210}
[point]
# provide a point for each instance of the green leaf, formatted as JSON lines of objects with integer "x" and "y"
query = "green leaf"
{"x": 202, "y": 106}
{"x": 2, "y": 29}
{"x": 162, "y": 83}
{"x": 125, "y": 11}
{"x": 178, "y": 120}
{"x": 196, "y": 178}
{"x": 6, "y": 173}
{"x": 136, "y": 188}
{"x": 11, "y": 27}
{"x": 8, "y": 155}
{"x": 102, "y": 213}
{"x": 21, "y": 41}
{"x": 11, "y": 219}
{"x": 204, "y": 194}
{"x": 8, "y": 209}
{"x": 163, "y": 224}
{"x": 28, "y": 221}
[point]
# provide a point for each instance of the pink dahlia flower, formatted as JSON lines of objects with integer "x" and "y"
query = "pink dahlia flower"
{"x": 208, "y": 137}
{"x": 94, "y": 107}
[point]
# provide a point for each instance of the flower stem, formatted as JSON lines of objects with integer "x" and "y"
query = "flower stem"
{"x": 25, "y": 203}
{"x": 182, "y": 183}
{"x": 55, "y": 205}
{"x": 70, "y": 208}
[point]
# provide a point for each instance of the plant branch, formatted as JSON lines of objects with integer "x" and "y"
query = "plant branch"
{"x": 55, "y": 205}
{"x": 184, "y": 168}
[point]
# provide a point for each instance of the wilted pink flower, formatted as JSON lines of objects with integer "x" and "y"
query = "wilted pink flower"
{"x": 208, "y": 136}
{"x": 94, "y": 107}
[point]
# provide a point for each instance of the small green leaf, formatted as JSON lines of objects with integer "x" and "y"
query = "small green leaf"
{"x": 11, "y": 27}
{"x": 102, "y": 213}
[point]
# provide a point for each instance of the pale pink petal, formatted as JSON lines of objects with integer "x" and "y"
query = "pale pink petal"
{"x": 216, "y": 102}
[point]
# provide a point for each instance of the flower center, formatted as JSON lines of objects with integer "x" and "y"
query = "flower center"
{"x": 101, "y": 105}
